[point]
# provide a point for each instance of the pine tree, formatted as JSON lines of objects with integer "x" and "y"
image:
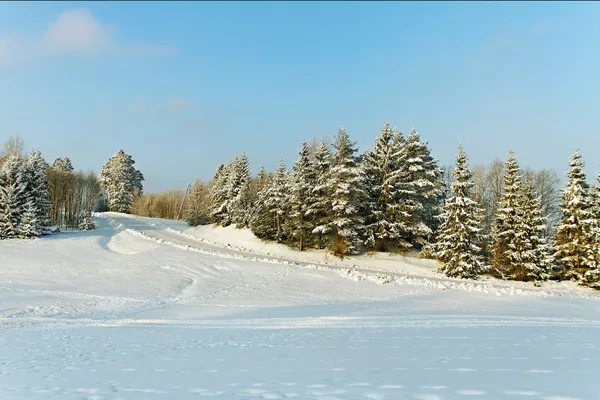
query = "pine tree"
{"x": 534, "y": 254}
{"x": 13, "y": 196}
{"x": 29, "y": 226}
{"x": 506, "y": 234}
{"x": 419, "y": 188}
{"x": 345, "y": 185}
{"x": 320, "y": 208}
{"x": 458, "y": 244}
{"x": 574, "y": 235}
{"x": 122, "y": 181}
{"x": 299, "y": 225}
{"x": 378, "y": 166}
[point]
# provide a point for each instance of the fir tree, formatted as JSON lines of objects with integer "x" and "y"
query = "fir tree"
{"x": 299, "y": 224}
{"x": 574, "y": 234}
{"x": 13, "y": 196}
{"x": 378, "y": 166}
{"x": 458, "y": 244}
{"x": 345, "y": 186}
{"x": 506, "y": 234}
{"x": 320, "y": 208}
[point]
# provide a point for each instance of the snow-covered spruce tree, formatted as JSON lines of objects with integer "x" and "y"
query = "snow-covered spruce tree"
{"x": 378, "y": 165}
{"x": 62, "y": 164}
{"x": 122, "y": 181}
{"x": 261, "y": 222}
{"x": 458, "y": 244}
{"x": 277, "y": 200}
{"x": 534, "y": 254}
{"x": 320, "y": 209}
{"x": 592, "y": 277}
{"x": 242, "y": 199}
{"x": 197, "y": 212}
{"x": 217, "y": 193}
{"x": 87, "y": 224}
{"x": 506, "y": 232}
{"x": 13, "y": 196}
{"x": 574, "y": 234}
{"x": 419, "y": 187}
{"x": 229, "y": 183}
{"x": 345, "y": 186}
{"x": 29, "y": 226}
{"x": 299, "y": 224}
{"x": 38, "y": 190}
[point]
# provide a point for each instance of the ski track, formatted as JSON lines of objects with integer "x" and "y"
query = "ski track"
{"x": 354, "y": 273}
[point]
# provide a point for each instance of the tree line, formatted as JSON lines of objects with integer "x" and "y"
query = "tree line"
{"x": 37, "y": 198}
{"x": 501, "y": 220}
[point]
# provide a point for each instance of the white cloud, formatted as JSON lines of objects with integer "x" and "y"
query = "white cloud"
{"x": 73, "y": 31}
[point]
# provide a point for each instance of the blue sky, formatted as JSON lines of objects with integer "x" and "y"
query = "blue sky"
{"x": 184, "y": 86}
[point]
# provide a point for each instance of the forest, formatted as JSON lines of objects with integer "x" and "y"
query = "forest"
{"x": 501, "y": 219}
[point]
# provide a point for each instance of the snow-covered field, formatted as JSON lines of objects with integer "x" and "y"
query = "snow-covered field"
{"x": 148, "y": 309}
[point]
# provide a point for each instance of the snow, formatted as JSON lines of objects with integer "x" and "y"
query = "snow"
{"x": 144, "y": 309}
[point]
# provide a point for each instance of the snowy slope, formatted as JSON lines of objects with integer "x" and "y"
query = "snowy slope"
{"x": 144, "y": 309}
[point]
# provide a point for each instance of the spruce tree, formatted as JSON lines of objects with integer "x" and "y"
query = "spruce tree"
{"x": 38, "y": 189}
{"x": 276, "y": 200}
{"x": 13, "y": 196}
{"x": 574, "y": 234}
{"x": 320, "y": 209}
{"x": 217, "y": 193}
{"x": 592, "y": 277}
{"x": 87, "y": 224}
{"x": 534, "y": 254}
{"x": 241, "y": 200}
{"x": 458, "y": 244}
{"x": 197, "y": 212}
{"x": 261, "y": 222}
{"x": 299, "y": 225}
{"x": 418, "y": 185}
{"x": 62, "y": 164}
{"x": 29, "y": 226}
{"x": 345, "y": 186}
{"x": 506, "y": 235}
{"x": 396, "y": 195}
{"x": 378, "y": 165}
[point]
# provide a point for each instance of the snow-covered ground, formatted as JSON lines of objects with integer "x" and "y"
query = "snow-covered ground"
{"x": 147, "y": 309}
